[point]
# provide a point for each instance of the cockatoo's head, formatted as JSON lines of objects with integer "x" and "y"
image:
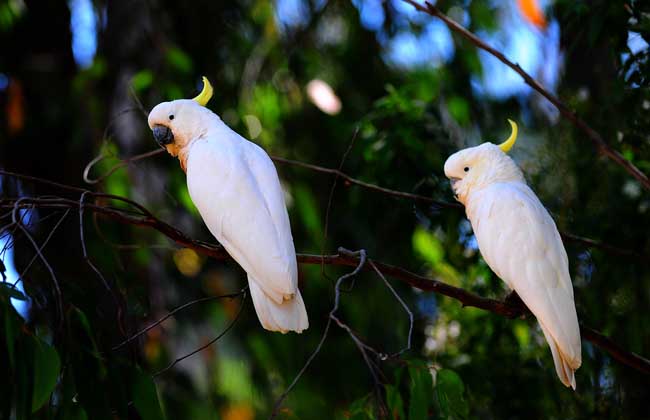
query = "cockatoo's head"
{"x": 176, "y": 123}
{"x": 477, "y": 167}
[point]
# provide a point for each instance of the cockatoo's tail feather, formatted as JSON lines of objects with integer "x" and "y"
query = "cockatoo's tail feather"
{"x": 234, "y": 185}
{"x": 563, "y": 367}
{"x": 289, "y": 315}
{"x": 520, "y": 242}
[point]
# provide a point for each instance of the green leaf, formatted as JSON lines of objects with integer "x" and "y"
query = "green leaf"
{"x": 142, "y": 80}
{"x": 47, "y": 366}
{"x": 68, "y": 408}
{"x": 421, "y": 388}
{"x": 233, "y": 378}
{"x": 459, "y": 109}
{"x": 450, "y": 392}
{"x": 145, "y": 397}
{"x": 395, "y": 403}
{"x": 82, "y": 321}
{"x": 76, "y": 413}
{"x": 522, "y": 333}
{"x": 628, "y": 154}
{"x": 179, "y": 60}
{"x": 361, "y": 409}
{"x": 428, "y": 246}
{"x": 307, "y": 207}
{"x": 11, "y": 328}
{"x": 8, "y": 290}
{"x": 24, "y": 377}
{"x": 483, "y": 16}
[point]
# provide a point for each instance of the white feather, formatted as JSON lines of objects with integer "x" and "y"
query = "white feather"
{"x": 520, "y": 242}
{"x": 236, "y": 189}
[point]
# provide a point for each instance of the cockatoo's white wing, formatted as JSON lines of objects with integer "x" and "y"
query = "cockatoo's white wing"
{"x": 223, "y": 186}
{"x": 262, "y": 168}
{"x": 235, "y": 187}
{"x": 520, "y": 242}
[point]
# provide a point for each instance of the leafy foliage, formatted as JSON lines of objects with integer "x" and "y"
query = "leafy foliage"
{"x": 260, "y": 56}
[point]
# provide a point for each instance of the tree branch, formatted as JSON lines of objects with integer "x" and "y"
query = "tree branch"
{"x": 592, "y": 134}
{"x": 243, "y": 294}
{"x": 508, "y": 309}
{"x": 567, "y": 236}
{"x": 367, "y": 185}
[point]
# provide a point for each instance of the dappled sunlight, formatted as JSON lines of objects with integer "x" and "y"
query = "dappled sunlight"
{"x": 157, "y": 288}
{"x": 83, "y": 25}
{"x": 322, "y": 95}
{"x": 187, "y": 261}
{"x": 536, "y": 49}
{"x": 10, "y": 276}
{"x": 254, "y": 126}
{"x": 532, "y": 11}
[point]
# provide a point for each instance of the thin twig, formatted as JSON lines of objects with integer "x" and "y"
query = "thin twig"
{"x": 367, "y": 185}
{"x": 83, "y": 244}
{"x": 610, "y": 249}
{"x": 590, "y": 243}
{"x": 617, "y": 352}
{"x": 76, "y": 189}
{"x": 331, "y": 195}
{"x": 415, "y": 280}
{"x": 209, "y": 343}
{"x": 174, "y": 311}
{"x": 116, "y": 167}
{"x": 372, "y": 367}
{"x": 42, "y": 247}
{"x": 404, "y": 305}
{"x": 138, "y": 102}
{"x": 55, "y": 281}
{"x": 116, "y": 300}
{"x": 592, "y": 134}
{"x": 361, "y": 258}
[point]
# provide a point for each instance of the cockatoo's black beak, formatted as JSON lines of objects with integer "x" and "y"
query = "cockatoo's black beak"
{"x": 163, "y": 135}
{"x": 453, "y": 183}
{"x": 453, "y": 186}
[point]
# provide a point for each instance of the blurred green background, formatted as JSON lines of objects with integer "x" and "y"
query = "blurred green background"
{"x": 298, "y": 78}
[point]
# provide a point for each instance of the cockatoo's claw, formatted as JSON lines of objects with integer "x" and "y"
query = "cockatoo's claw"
{"x": 514, "y": 301}
{"x": 513, "y": 298}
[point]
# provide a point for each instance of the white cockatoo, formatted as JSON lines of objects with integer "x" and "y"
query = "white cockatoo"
{"x": 234, "y": 185}
{"x": 520, "y": 242}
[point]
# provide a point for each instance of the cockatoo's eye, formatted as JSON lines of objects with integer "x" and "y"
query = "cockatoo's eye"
{"x": 171, "y": 117}
{"x": 466, "y": 169}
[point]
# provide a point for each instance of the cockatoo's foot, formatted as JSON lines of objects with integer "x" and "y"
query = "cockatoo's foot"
{"x": 513, "y": 300}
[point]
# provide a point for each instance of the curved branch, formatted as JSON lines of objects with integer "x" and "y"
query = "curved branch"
{"x": 231, "y": 324}
{"x": 592, "y": 134}
{"x": 567, "y": 236}
{"x": 367, "y": 185}
{"x": 508, "y": 309}
{"x": 121, "y": 164}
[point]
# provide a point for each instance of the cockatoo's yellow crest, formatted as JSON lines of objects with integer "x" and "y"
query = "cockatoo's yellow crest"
{"x": 507, "y": 145}
{"x": 205, "y": 95}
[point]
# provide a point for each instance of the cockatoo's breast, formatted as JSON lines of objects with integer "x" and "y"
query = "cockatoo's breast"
{"x": 480, "y": 201}
{"x": 209, "y": 168}
{"x": 493, "y": 222}
{"x": 234, "y": 186}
